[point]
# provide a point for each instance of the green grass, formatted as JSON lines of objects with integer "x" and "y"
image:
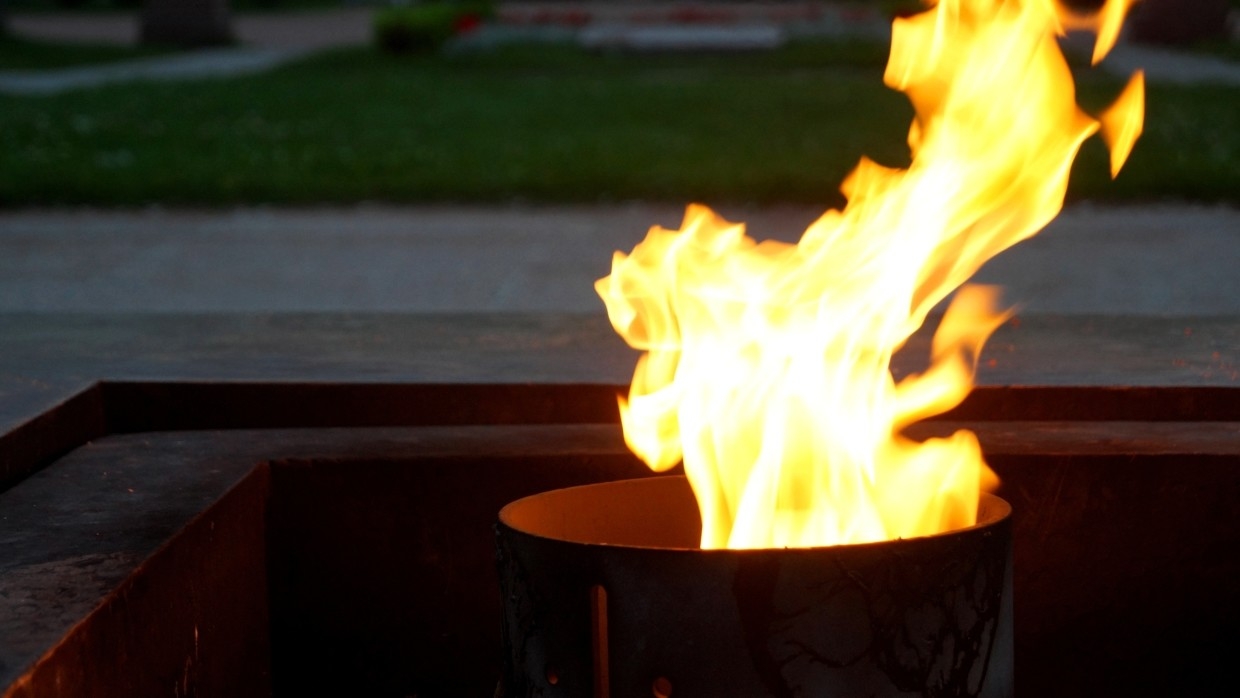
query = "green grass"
{"x": 1190, "y": 149}
{"x": 537, "y": 123}
{"x": 1229, "y": 50}
{"x": 18, "y": 53}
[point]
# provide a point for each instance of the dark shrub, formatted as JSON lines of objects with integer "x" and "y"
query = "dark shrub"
{"x": 424, "y": 28}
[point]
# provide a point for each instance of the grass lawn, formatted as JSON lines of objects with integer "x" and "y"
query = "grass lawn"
{"x": 19, "y": 53}
{"x": 1229, "y": 50}
{"x": 542, "y": 124}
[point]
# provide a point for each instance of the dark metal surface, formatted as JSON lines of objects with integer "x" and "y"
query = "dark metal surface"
{"x": 380, "y": 558}
{"x": 925, "y": 616}
{"x": 361, "y": 538}
{"x": 64, "y": 424}
{"x": 118, "y": 407}
{"x": 48, "y": 359}
{"x": 41, "y": 350}
{"x": 189, "y": 620}
{"x": 1125, "y": 531}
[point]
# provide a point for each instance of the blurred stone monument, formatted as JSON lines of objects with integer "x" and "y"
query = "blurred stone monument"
{"x": 186, "y": 22}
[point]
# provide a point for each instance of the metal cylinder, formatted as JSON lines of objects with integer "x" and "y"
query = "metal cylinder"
{"x": 607, "y": 594}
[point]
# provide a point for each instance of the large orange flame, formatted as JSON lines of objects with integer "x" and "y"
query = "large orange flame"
{"x": 767, "y": 365}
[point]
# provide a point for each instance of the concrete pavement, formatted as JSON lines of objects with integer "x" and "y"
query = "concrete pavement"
{"x": 1144, "y": 260}
{"x": 192, "y": 65}
{"x": 1163, "y": 65}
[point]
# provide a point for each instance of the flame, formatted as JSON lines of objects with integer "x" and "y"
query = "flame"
{"x": 767, "y": 365}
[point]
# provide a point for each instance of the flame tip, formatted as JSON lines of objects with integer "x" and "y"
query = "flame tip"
{"x": 768, "y": 366}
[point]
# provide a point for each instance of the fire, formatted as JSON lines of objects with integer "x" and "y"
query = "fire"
{"x": 767, "y": 365}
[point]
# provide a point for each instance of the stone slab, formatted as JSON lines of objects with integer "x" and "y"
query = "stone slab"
{"x": 1162, "y": 259}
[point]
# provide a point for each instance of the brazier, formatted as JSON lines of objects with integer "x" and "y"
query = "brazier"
{"x": 606, "y": 593}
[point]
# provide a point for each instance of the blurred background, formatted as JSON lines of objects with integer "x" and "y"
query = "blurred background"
{"x": 118, "y": 114}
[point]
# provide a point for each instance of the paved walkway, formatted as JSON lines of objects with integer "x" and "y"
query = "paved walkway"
{"x": 1175, "y": 67}
{"x": 300, "y": 30}
{"x": 1147, "y": 260}
{"x": 267, "y": 40}
{"x": 207, "y": 63}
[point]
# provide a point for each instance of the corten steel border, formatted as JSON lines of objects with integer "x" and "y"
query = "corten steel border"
{"x": 1126, "y": 537}
{"x": 124, "y": 407}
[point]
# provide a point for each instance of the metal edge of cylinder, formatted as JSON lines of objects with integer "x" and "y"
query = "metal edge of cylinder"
{"x": 924, "y": 616}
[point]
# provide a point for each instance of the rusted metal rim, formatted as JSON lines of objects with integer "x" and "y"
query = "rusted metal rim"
{"x": 607, "y": 594}
{"x": 651, "y": 513}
